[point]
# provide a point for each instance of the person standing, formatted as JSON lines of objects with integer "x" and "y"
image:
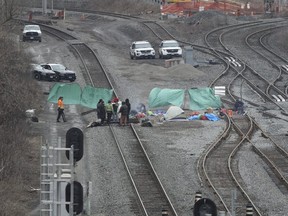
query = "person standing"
{"x": 109, "y": 111}
{"x": 115, "y": 109}
{"x": 97, "y": 110}
{"x": 239, "y": 107}
{"x": 101, "y": 113}
{"x": 129, "y": 108}
{"x": 61, "y": 110}
{"x": 123, "y": 112}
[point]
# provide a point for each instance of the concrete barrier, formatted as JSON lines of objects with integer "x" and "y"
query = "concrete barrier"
{"x": 172, "y": 62}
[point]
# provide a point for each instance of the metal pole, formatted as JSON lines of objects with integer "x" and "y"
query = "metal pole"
{"x": 44, "y": 6}
{"x": 234, "y": 196}
{"x": 58, "y": 178}
{"x": 241, "y": 87}
{"x": 89, "y": 193}
{"x": 71, "y": 156}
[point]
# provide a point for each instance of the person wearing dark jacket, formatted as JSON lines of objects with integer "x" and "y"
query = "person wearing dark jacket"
{"x": 123, "y": 111}
{"x": 239, "y": 106}
{"x": 101, "y": 112}
{"x": 129, "y": 108}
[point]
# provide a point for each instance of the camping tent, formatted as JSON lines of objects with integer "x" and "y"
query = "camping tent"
{"x": 173, "y": 112}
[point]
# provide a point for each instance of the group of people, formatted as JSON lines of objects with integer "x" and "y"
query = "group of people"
{"x": 114, "y": 110}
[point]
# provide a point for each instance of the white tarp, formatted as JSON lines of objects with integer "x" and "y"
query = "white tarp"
{"x": 173, "y": 112}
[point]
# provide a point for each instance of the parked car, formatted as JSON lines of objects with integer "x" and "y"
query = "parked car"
{"x": 62, "y": 72}
{"x": 31, "y": 32}
{"x": 169, "y": 49}
{"x": 41, "y": 73}
{"x": 141, "y": 49}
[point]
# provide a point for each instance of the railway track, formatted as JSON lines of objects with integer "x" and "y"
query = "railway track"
{"x": 275, "y": 156}
{"x": 152, "y": 198}
{"x": 216, "y": 165}
{"x": 150, "y": 191}
{"x": 256, "y": 41}
{"x": 260, "y": 85}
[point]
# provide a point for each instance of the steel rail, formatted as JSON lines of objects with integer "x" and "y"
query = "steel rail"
{"x": 155, "y": 173}
{"x": 263, "y": 94}
{"x": 278, "y": 148}
{"x": 128, "y": 171}
{"x": 245, "y": 136}
{"x": 271, "y": 85}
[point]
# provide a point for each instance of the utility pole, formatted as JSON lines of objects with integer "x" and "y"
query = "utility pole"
{"x": 44, "y": 6}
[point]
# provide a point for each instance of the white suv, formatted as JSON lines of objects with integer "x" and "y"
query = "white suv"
{"x": 31, "y": 32}
{"x": 169, "y": 49}
{"x": 141, "y": 49}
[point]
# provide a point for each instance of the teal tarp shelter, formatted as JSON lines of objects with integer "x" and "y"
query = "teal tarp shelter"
{"x": 202, "y": 98}
{"x": 165, "y": 97}
{"x": 71, "y": 93}
{"x": 91, "y": 96}
{"x": 199, "y": 98}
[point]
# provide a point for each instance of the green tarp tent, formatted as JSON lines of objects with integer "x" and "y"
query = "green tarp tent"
{"x": 199, "y": 98}
{"x": 165, "y": 97}
{"x": 202, "y": 98}
{"x": 73, "y": 94}
{"x": 70, "y": 92}
{"x": 91, "y": 96}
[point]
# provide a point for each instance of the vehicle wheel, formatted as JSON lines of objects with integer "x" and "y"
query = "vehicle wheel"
{"x": 37, "y": 76}
{"x": 39, "y": 40}
{"x": 135, "y": 57}
{"x": 72, "y": 80}
{"x": 131, "y": 56}
{"x": 57, "y": 78}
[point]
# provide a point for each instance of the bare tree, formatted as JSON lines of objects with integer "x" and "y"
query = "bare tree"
{"x": 16, "y": 96}
{"x": 8, "y": 9}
